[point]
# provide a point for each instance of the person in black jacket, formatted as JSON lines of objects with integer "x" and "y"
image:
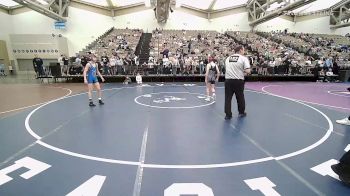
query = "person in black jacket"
{"x": 65, "y": 64}
{"x": 105, "y": 64}
{"x": 38, "y": 66}
{"x": 84, "y": 61}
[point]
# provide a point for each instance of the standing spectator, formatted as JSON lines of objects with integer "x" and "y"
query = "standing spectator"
{"x": 166, "y": 64}
{"x": 65, "y": 64}
{"x": 84, "y": 61}
{"x": 119, "y": 64}
{"x": 38, "y": 65}
{"x": 189, "y": 46}
{"x": 201, "y": 66}
{"x": 76, "y": 68}
{"x": 328, "y": 64}
{"x": 264, "y": 67}
{"x": 127, "y": 62}
{"x": 287, "y": 63}
{"x": 78, "y": 60}
{"x": 136, "y": 61}
{"x": 105, "y": 63}
{"x": 237, "y": 66}
{"x": 335, "y": 67}
{"x": 165, "y": 51}
{"x": 112, "y": 63}
{"x": 272, "y": 64}
{"x": 60, "y": 61}
{"x": 199, "y": 37}
{"x": 35, "y": 66}
{"x": 278, "y": 63}
{"x": 221, "y": 63}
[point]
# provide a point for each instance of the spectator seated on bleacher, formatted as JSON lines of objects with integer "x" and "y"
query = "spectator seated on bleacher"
{"x": 127, "y": 80}
{"x": 330, "y": 76}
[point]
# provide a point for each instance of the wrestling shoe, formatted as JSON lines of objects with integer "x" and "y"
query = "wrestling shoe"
{"x": 344, "y": 121}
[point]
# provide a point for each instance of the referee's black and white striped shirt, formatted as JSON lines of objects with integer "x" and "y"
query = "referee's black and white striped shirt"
{"x": 235, "y": 66}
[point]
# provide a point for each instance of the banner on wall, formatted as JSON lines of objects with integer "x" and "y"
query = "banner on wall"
{"x": 60, "y": 25}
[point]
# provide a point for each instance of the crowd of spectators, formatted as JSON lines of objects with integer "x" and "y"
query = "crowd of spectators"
{"x": 187, "y": 52}
{"x": 292, "y": 54}
{"x": 269, "y": 57}
{"x": 115, "y": 53}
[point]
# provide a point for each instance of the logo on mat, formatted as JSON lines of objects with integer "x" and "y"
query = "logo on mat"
{"x": 168, "y": 99}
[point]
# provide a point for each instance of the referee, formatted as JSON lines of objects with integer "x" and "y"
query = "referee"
{"x": 237, "y": 66}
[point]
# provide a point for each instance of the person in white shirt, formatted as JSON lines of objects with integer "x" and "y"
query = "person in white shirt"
{"x": 113, "y": 62}
{"x": 119, "y": 64}
{"x": 77, "y": 61}
{"x": 237, "y": 66}
{"x": 136, "y": 61}
{"x": 61, "y": 62}
{"x": 138, "y": 78}
{"x": 165, "y": 61}
{"x": 329, "y": 72}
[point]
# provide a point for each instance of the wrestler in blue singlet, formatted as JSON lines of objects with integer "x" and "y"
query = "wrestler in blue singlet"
{"x": 91, "y": 74}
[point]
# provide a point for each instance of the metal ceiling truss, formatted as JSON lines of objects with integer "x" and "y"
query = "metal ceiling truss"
{"x": 211, "y": 13}
{"x": 55, "y": 9}
{"x": 258, "y": 9}
{"x": 340, "y": 15}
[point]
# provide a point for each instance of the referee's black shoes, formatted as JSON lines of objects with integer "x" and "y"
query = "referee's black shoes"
{"x": 228, "y": 117}
{"x": 343, "y": 172}
{"x": 239, "y": 116}
{"x": 242, "y": 115}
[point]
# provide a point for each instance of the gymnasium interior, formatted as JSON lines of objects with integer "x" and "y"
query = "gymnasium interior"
{"x": 160, "y": 130}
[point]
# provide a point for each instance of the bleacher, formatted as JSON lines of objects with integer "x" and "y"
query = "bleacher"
{"x": 269, "y": 50}
{"x": 114, "y": 40}
{"x": 273, "y": 46}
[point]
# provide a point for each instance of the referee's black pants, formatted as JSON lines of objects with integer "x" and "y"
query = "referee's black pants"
{"x": 233, "y": 86}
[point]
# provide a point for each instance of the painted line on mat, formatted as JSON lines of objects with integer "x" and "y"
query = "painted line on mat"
{"x": 331, "y": 106}
{"x": 204, "y": 166}
{"x": 345, "y": 95}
